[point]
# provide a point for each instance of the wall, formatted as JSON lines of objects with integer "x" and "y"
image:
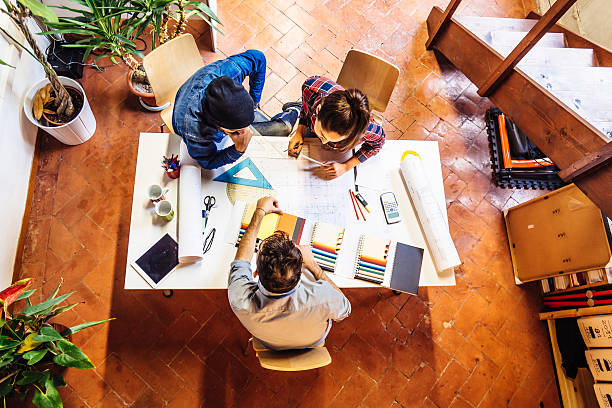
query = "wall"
{"x": 17, "y": 141}
{"x": 589, "y": 18}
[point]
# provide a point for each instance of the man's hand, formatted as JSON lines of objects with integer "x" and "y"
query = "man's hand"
{"x": 295, "y": 144}
{"x": 333, "y": 170}
{"x": 269, "y": 205}
{"x": 241, "y": 138}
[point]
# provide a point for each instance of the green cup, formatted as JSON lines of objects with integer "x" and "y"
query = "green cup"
{"x": 164, "y": 209}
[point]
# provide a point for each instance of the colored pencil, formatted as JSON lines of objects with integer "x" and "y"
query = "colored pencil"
{"x": 358, "y": 205}
{"x": 353, "y": 201}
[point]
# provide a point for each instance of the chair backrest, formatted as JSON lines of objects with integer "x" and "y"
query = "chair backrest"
{"x": 292, "y": 360}
{"x": 372, "y": 75}
{"x": 170, "y": 65}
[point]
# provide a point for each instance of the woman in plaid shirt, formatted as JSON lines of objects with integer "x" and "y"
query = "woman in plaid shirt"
{"x": 340, "y": 119}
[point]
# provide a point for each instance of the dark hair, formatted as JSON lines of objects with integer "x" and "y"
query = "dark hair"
{"x": 346, "y": 113}
{"x": 279, "y": 263}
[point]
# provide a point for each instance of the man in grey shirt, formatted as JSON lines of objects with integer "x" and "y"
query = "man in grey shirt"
{"x": 283, "y": 309}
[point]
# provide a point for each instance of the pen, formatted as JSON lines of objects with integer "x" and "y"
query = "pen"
{"x": 312, "y": 160}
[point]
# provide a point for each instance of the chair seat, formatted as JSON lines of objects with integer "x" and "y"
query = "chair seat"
{"x": 294, "y": 360}
{"x": 291, "y": 360}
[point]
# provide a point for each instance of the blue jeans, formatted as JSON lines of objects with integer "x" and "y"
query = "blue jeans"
{"x": 279, "y": 125}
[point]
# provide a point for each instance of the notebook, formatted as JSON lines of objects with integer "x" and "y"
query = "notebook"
{"x": 291, "y": 224}
{"x": 389, "y": 263}
{"x": 326, "y": 242}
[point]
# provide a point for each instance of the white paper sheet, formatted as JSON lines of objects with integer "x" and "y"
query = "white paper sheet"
{"x": 190, "y": 238}
{"x": 430, "y": 215}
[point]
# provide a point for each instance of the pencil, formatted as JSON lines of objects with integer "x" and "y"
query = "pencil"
{"x": 353, "y": 201}
{"x": 358, "y": 206}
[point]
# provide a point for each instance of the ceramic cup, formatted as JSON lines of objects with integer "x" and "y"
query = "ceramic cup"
{"x": 155, "y": 192}
{"x": 164, "y": 209}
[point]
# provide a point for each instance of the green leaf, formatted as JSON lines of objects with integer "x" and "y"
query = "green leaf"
{"x": 26, "y": 294}
{"x": 39, "y": 9}
{"x": 49, "y": 399}
{"x": 34, "y": 356}
{"x": 47, "y": 334}
{"x": 30, "y": 376}
{"x": 8, "y": 343}
{"x": 34, "y": 309}
{"x": 79, "y": 327}
{"x": 71, "y": 356}
{"x": 8, "y": 65}
{"x": 6, "y": 361}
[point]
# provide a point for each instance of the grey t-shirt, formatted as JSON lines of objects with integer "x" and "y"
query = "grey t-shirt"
{"x": 300, "y": 318}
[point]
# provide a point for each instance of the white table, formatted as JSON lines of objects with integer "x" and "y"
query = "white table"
{"x": 212, "y": 271}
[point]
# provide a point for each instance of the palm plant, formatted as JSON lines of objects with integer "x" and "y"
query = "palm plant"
{"x": 32, "y": 348}
{"x": 18, "y": 13}
{"x": 111, "y": 26}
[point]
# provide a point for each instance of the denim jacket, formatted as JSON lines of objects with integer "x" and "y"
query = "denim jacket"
{"x": 202, "y": 139}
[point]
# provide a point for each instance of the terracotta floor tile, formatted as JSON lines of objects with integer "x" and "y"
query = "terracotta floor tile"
{"x": 393, "y": 349}
{"x": 354, "y": 391}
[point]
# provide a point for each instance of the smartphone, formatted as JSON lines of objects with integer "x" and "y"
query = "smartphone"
{"x": 390, "y": 207}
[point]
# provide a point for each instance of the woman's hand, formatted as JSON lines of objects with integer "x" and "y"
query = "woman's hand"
{"x": 333, "y": 170}
{"x": 296, "y": 142}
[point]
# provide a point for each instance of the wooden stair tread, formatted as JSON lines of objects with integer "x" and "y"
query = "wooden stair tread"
{"x": 595, "y": 107}
{"x": 513, "y": 38}
{"x": 555, "y": 78}
{"x": 582, "y": 57}
{"x": 495, "y": 23}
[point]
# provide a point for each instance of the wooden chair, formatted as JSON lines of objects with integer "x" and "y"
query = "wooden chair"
{"x": 289, "y": 360}
{"x": 372, "y": 75}
{"x": 168, "y": 67}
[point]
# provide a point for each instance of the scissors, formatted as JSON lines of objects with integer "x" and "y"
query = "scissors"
{"x": 208, "y": 241}
{"x": 209, "y": 202}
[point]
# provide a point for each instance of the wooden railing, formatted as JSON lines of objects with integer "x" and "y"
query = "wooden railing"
{"x": 504, "y": 69}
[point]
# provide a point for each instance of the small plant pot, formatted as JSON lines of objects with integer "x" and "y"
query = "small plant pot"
{"x": 78, "y": 130}
{"x": 147, "y": 97}
{"x": 173, "y": 174}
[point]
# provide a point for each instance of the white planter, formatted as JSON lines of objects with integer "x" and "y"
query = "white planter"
{"x": 75, "y": 132}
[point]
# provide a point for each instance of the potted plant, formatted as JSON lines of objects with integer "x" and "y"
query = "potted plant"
{"x": 33, "y": 349}
{"x": 111, "y": 27}
{"x": 56, "y": 104}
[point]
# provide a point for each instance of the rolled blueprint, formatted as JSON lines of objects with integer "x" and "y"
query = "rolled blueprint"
{"x": 190, "y": 239}
{"x": 441, "y": 246}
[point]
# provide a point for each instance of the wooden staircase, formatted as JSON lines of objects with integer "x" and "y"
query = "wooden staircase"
{"x": 556, "y": 86}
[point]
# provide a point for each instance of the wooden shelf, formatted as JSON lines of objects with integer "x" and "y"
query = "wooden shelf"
{"x": 576, "y": 393}
{"x": 586, "y": 311}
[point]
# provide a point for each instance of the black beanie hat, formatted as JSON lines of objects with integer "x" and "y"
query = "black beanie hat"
{"x": 228, "y": 104}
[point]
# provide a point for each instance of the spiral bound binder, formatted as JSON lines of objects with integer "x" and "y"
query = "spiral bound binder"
{"x": 388, "y": 263}
{"x": 371, "y": 260}
{"x": 326, "y": 242}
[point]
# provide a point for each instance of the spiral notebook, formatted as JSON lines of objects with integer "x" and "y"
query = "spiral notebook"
{"x": 292, "y": 225}
{"x": 326, "y": 242}
{"x": 389, "y": 263}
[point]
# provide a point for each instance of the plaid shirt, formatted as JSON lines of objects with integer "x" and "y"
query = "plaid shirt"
{"x": 317, "y": 87}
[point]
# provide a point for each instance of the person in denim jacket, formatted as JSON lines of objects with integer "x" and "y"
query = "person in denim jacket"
{"x": 213, "y": 104}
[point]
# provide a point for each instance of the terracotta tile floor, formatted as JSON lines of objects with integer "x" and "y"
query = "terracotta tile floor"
{"x": 476, "y": 344}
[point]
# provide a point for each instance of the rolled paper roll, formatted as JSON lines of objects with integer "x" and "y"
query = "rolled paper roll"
{"x": 429, "y": 213}
{"x": 190, "y": 237}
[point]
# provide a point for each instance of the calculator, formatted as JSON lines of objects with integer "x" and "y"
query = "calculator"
{"x": 390, "y": 207}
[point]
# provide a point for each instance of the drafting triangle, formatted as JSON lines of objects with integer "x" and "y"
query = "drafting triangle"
{"x": 245, "y": 173}
{"x": 230, "y": 175}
